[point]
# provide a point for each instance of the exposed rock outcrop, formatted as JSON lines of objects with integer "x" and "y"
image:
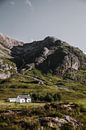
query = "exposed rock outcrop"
{"x": 56, "y": 122}
{"x": 7, "y": 66}
{"x": 49, "y": 55}
{"x": 9, "y": 42}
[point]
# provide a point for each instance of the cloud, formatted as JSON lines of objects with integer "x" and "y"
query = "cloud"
{"x": 12, "y": 2}
{"x": 28, "y": 3}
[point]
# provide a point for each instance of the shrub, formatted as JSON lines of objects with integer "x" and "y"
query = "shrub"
{"x": 49, "y": 97}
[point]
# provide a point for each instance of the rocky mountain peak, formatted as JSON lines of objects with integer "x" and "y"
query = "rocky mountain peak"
{"x": 50, "y": 38}
{"x": 9, "y": 42}
{"x": 48, "y": 55}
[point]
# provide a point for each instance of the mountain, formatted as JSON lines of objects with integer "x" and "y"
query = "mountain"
{"x": 50, "y": 55}
{"x": 7, "y": 67}
{"x": 9, "y": 42}
{"x": 53, "y": 73}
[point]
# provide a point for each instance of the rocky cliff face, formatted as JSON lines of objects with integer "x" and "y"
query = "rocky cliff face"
{"x": 49, "y": 55}
{"x": 9, "y": 42}
{"x": 7, "y": 66}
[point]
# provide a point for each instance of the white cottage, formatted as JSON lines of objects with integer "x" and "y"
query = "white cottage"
{"x": 21, "y": 99}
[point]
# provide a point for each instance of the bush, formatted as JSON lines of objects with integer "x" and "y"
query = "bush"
{"x": 49, "y": 97}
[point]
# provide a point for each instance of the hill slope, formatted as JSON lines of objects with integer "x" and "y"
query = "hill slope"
{"x": 49, "y": 56}
{"x": 53, "y": 73}
{"x": 7, "y": 67}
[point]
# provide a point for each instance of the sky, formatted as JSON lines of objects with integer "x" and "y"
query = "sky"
{"x": 29, "y": 20}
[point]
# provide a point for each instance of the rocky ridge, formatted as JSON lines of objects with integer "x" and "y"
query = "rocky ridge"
{"x": 7, "y": 67}
{"x": 48, "y": 55}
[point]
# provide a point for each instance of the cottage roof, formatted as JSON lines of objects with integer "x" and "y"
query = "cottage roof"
{"x": 23, "y": 96}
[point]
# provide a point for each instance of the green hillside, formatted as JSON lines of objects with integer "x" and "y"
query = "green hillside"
{"x": 54, "y": 74}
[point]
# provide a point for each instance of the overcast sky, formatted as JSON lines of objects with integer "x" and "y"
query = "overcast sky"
{"x": 30, "y": 20}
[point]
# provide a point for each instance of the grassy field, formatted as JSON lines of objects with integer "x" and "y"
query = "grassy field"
{"x": 4, "y": 105}
{"x": 14, "y": 106}
{"x": 81, "y": 102}
{"x": 70, "y": 92}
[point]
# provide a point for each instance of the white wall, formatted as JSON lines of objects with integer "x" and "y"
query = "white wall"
{"x": 22, "y": 100}
{"x": 12, "y": 99}
{"x": 19, "y": 100}
{"x": 29, "y": 100}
